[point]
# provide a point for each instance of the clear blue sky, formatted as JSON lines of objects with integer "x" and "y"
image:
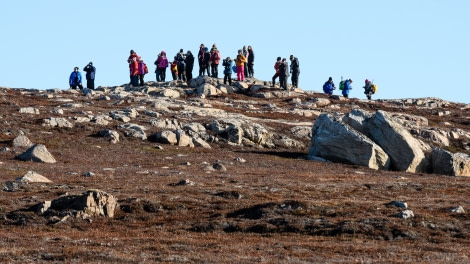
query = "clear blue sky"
{"x": 409, "y": 48}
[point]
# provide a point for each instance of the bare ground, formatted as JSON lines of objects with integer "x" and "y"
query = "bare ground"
{"x": 277, "y": 207}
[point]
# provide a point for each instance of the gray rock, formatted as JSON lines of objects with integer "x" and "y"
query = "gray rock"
{"x": 321, "y": 102}
{"x": 133, "y": 130}
{"x": 446, "y": 163}
{"x": 183, "y": 139}
{"x": 357, "y": 119}
{"x": 406, "y": 214}
{"x": 166, "y": 137}
{"x": 33, "y": 177}
{"x": 199, "y": 142}
{"x": 37, "y": 153}
{"x": 333, "y": 140}
{"x": 207, "y": 89}
{"x": 29, "y": 110}
{"x": 170, "y": 124}
{"x": 22, "y": 141}
{"x": 57, "y": 122}
{"x": 458, "y": 210}
{"x": 405, "y": 152}
{"x": 112, "y": 135}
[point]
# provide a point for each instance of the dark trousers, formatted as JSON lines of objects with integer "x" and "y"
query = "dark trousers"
{"x": 251, "y": 71}
{"x": 228, "y": 78}
{"x": 90, "y": 84}
{"x": 283, "y": 81}
{"x": 161, "y": 74}
{"x": 174, "y": 75}
{"x": 135, "y": 80}
{"x": 181, "y": 74}
{"x": 215, "y": 70}
{"x": 75, "y": 86}
{"x": 141, "y": 79}
{"x": 203, "y": 68}
{"x": 275, "y": 77}
{"x": 295, "y": 78}
{"x": 189, "y": 73}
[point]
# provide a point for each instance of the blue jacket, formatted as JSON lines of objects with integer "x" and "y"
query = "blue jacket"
{"x": 328, "y": 87}
{"x": 75, "y": 78}
{"x": 347, "y": 87}
{"x": 227, "y": 66}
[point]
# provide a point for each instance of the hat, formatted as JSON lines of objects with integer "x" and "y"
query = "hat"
{"x": 206, "y": 49}
{"x": 132, "y": 51}
{"x": 367, "y": 80}
{"x": 279, "y": 58}
{"x": 181, "y": 50}
{"x": 330, "y": 79}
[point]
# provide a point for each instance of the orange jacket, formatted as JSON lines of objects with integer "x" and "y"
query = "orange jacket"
{"x": 240, "y": 60}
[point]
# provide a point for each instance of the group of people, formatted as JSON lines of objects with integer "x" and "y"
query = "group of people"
{"x": 345, "y": 87}
{"x": 282, "y": 70}
{"x": 75, "y": 78}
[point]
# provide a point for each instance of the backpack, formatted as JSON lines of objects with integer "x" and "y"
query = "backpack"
{"x": 146, "y": 69}
{"x": 374, "y": 88}
{"x": 341, "y": 85}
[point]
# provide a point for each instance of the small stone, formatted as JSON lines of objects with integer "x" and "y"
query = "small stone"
{"x": 458, "y": 210}
{"x": 406, "y": 214}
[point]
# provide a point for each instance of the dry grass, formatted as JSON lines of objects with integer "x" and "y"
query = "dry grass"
{"x": 275, "y": 208}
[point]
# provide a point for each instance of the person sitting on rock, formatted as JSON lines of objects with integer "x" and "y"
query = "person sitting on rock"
{"x": 329, "y": 86}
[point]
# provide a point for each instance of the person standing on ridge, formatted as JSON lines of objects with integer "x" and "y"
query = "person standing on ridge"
{"x": 200, "y": 59}
{"x": 246, "y": 53}
{"x": 141, "y": 71}
{"x": 251, "y": 62}
{"x": 131, "y": 59}
{"x": 214, "y": 61}
{"x": 174, "y": 69}
{"x": 240, "y": 63}
{"x": 295, "y": 71}
{"x": 276, "y": 68}
{"x": 189, "y": 65}
{"x": 90, "y": 76}
{"x": 368, "y": 91}
{"x": 162, "y": 64}
{"x": 228, "y": 64}
{"x": 181, "y": 57}
{"x": 75, "y": 79}
{"x": 283, "y": 73}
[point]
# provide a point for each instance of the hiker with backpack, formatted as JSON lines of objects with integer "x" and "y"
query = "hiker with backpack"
{"x": 240, "y": 63}
{"x": 283, "y": 73}
{"x": 295, "y": 71}
{"x": 90, "y": 76}
{"x": 162, "y": 64}
{"x": 228, "y": 64}
{"x": 180, "y": 57}
{"x": 345, "y": 87}
{"x": 369, "y": 89}
{"x": 250, "y": 62}
{"x": 276, "y": 68}
{"x": 329, "y": 86}
{"x": 75, "y": 79}
{"x": 214, "y": 61}
{"x": 189, "y": 65}
{"x": 141, "y": 71}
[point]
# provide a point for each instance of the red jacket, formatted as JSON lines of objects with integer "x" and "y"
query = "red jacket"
{"x": 215, "y": 56}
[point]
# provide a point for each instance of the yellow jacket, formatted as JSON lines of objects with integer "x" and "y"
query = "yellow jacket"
{"x": 240, "y": 60}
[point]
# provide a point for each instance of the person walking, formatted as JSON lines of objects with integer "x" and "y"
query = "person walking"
{"x": 214, "y": 61}
{"x": 228, "y": 64}
{"x": 189, "y": 65}
{"x": 240, "y": 63}
{"x": 90, "y": 75}
{"x": 369, "y": 89}
{"x": 276, "y": 68}
{"x": 75, "y": 79}
{"x": 250, "y": 62}
{"x": 283, "y": 73}
{"x": 346, "y": 88}
{"x": 162, "y": 64}
{"x": 329, "y": 86}
{"x": 295, "y": 71}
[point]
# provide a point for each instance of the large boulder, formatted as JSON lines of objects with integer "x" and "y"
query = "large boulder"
{"x": 37, "y": 153}
{"x": 336, "y": 141}
{"x": 406, "y": 152}
{"x": 447, "y": 163}
{"x": 91, "y": 203}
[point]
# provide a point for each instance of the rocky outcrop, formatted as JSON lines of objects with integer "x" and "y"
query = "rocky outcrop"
{"x": 452, "y": 164}
{"x": 336, "y": 141}
{"x": 37, "y": 153}
{"x": 405, "y": 151}
{"x": 90, "y": 203}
